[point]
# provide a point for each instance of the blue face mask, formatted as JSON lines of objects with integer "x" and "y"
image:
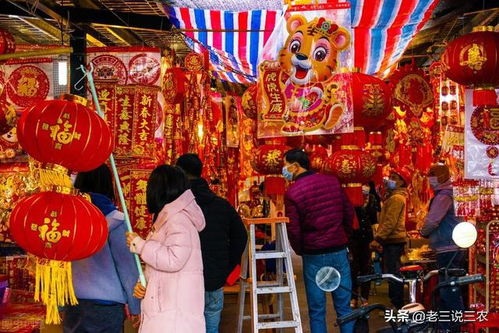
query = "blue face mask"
{"x": 391, "y": 184}
{"x": 433, "y": 182}
{"x": 286, "y": 174}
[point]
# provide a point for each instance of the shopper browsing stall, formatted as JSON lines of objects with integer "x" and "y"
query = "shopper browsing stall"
{"x": 174, "y": 298}
{"x": 222, "y": 240}
{"x": 320, "y": 217}
{"x": 104, "y": 282}
{"x": 438, "y": 227}
{"x": 391, "y": 236}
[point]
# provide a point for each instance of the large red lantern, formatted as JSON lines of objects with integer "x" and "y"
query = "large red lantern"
{"x": 269, "y": 159}
{"x": 173, "y": 85}
{"x": 370, "y": 98}
{"x": 248, "y": 102}
{"x": 58, "y": 226}
{"x": 7, "y": 42}
{"x": 318, "y": 156}
{"x": 473, "y": 60}
{"x": 65, "y": 133}
{"x": 353, "y": 167}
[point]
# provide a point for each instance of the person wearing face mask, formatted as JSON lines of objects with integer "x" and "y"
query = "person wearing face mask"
{"x": 320, "y": 224}
{"x": 359, "y": 243}
{"x": 391, "y": 235}
{"x": 438, "y": 226}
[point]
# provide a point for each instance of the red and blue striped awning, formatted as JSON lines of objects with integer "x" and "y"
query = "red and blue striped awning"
{"x": 381, "y": 29}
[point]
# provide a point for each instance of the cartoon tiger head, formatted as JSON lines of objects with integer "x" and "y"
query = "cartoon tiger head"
{"x": 311, "y": 50}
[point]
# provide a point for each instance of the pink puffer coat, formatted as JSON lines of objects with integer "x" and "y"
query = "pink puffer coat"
{"x": 174, "y": 300}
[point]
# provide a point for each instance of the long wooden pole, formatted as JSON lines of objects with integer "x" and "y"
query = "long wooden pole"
{"x": 36, "y": 53}
{"x": 91, "y": 84}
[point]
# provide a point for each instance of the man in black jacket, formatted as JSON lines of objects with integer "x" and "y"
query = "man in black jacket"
{"x": 222, "y": 240}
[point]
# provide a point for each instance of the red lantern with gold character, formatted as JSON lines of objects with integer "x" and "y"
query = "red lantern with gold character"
{"x": 57, "y": 228}
{"x": 370, "y": 98}
{"x": 269, "y": 159}
{"x": 473, "y": 60}
{"x": 7, "y": 42}
{"x": 353, "y": 167}
{"x": 318, "y": 156}
{"x": 173, "y": 85}
{"x": 65, "y": 133}
{"x": 248, "y": 102}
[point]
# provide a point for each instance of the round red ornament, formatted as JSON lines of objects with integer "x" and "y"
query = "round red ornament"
{"x": 473, "y": 60}
{"x": 7, "y": 42}
{"x": 269, "y": 159}
{"x": 58, "y": 226}
{"x": 173, "y": 86}
{"x": 28, "y": 85}
{"x": 109, "y": 68}
{"x": 370, "y": 98}
{"x": 484, "y": 124}
{"x": 65, "y": 133}
{"x": 144, "y": 69}
{"x": 492, "y": 152}
{"x": 249, "y": 103}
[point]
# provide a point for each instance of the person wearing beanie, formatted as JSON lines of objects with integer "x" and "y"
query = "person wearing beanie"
{"x": 438, "y": 226}
{"x": 391, "y": 236}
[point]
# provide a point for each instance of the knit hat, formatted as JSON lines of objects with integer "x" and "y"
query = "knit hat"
{"x": 440, "y": 171}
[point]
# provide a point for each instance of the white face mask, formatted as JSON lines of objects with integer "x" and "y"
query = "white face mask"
{"x": 433, "y": 182}
{"x": 366, "y": 190}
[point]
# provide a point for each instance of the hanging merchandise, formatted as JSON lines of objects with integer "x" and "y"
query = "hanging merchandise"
{"x": 7, "y": 42}
{"x": 232, "y": 106}
{"x": 473, "y": 60}
{"x": 466, "y": 197}
{"x": 268, "y": 159}
{"x": 173, "y": 85}
{"x": 8, "y": 117}
{"x": 297, "y": 93}
{"x": 481, "y": 141}
{"x": 249, "y": 102}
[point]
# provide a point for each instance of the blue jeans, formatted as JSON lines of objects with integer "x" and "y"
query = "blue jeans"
{"x": 316, "y": 298}
{"x": 213, "y": 305}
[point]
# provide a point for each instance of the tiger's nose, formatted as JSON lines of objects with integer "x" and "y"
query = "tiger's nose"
{"x": 301, "y": 56}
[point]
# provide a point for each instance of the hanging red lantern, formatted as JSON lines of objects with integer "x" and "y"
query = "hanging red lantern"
{"x": 323, "y": 140}
{"x": 353, "y": 167}
{"x": 248, "y": 102}
{"x": 58, "y": 226}
{"x": 473, "y": 60}
{"x": 318, "y": 156}
{"x": 7, "y": 117}
{"x": 65, "y": 133}
{"x": 7, "y": 42}
{"x": 295, "y": 141}
{"x": 370, "y": 98}
{"x": 173, "y": 85}
{"x": 269, "y": 159}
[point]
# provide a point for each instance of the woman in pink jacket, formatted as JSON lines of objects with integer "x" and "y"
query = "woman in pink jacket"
{"x": 173, "y": 301}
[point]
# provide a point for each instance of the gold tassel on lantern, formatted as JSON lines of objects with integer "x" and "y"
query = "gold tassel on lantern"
{"x": 54, "y": 287}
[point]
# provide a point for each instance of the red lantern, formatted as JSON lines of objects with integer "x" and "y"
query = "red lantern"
{"x": 295, "y": 141}
{"x": 353, "y": 167}
{"x": 58, "y": 226}
{"x": 323, "y": 140}
{"x": 473, "y": 60}
{"x": 248, "y": 102}
{"x": 65, "y": 133}
{"x": 173, "y": 85}
{"x": 370, "y": 97}
{"x": 7, "y": 42}
{"x": 7, "y": 117}
{"x": 269, "y": 159}
{"x": 318, "y": 156}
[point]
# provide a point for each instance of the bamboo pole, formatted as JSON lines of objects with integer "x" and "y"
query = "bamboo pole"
{"x": 91, "y": 84}
{"x": 36, "y": 53}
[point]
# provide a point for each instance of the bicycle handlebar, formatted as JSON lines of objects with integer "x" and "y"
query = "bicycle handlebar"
{"x": 360, "y": 312}
{"x": 464, "y": 280}
{"x": 369, "y": 278}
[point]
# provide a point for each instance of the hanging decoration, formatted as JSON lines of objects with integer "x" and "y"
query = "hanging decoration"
{"x": 65, "y": 133}
{"x": 8, "y": 117}
{"x": 249, "y": 102}
{"x": 370, "y": 99}
{"x": 472, "y": 60}
{"x": 297, "y": 93}
{"x": 29, "y": 83}
{"x": 173, "y": 85}
{"x": 232, "y": 105}
{"x": 269, "y": 159}
{"x": 7, "y": 42}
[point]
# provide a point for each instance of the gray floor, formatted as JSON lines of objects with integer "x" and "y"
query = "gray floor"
{"x": 229, "y": 314}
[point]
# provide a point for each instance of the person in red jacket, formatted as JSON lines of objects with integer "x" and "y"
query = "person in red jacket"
{"x": 321, "y": 218}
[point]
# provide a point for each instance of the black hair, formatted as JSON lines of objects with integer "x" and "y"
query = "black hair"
{"x": 298, "y": 156}
{"x": 166, "y": 183}
{"x": 98, "y": 180}
{"x": 191, "y": 164}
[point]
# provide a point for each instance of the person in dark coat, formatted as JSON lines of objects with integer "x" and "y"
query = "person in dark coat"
{"x": 320, "y": 224}
{"x": 222, "y": 241}
{"x": 359, "y": 242}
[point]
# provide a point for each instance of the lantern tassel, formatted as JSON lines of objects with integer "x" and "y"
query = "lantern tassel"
{"x": 54, "y": 287}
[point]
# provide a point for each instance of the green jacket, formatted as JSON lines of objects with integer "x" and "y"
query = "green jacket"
{"x": 391, "y": 229}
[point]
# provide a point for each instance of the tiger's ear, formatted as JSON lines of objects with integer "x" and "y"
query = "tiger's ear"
{"x": 294, "y": 22}
{"x": 340, "y": 39}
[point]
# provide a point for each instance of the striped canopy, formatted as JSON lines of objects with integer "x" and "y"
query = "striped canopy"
{"x": 381, "y": 30}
